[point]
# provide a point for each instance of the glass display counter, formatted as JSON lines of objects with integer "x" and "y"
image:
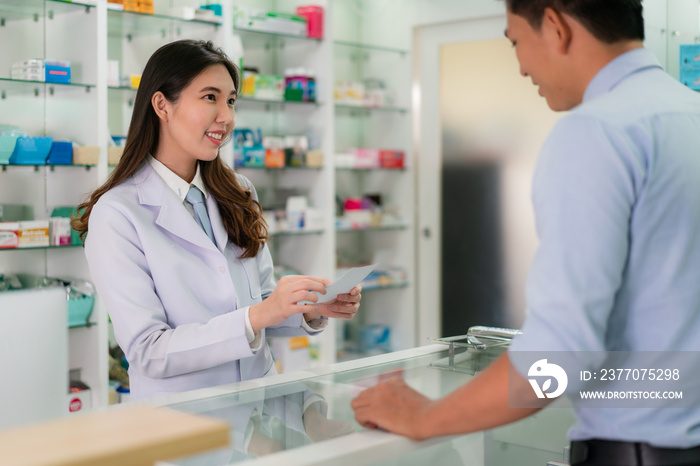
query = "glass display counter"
{"x": 305, "y": 418}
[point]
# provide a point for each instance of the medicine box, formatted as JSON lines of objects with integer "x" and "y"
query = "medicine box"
{"x": 690, "y": 56}
{"x": 33, "y": 234}
{"x": 284, "y": 23}
{"x": 79, "y": 310}
{"x": 314, "y": 158}
{"x": 114, "y": 154}
{"x": 314, "y": 20}
{"x": 80, "y": 401}
{"x": 216, "y": 8}
{"x": 366, "y": 158}
{"x": 274, "y": 158}
{"x": 7, "y": 146}
{"x": 254, "y": 157}
{"x": 57, "y": 71}
{"x": 690, "y": 77}
{"x": 391, "y": 158}
{"x": 250, "y": 18}
{"x": 375, "y": 338}
{"x": 68, "y": 212}
{"x": 86, "y": 155}
{"x": 31, "y": 151}
{"x": 9, "y": 235}
{"x": 61, "y": 153}
{"x": 59, "y": 231}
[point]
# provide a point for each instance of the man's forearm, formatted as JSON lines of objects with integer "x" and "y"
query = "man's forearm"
{"x": 480, "y": 404}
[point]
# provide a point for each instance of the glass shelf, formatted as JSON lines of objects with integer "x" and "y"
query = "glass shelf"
{"x": 296, "y": 233}
{"x": 66, "y": 246}
{"x": 374, "y": 169}
{"x": 51, "y": 167}
{"x": 82, "y": 325}
{"x": 257, "y": 100}
{"x": 123, "y": 88}
{"x": 256, "y": 39}
{"x": 341, "y": 106}
{"x": 279, "y": 169}
{"x": 21, "y": 86}
{"x": 26, "y": 9}
{"x": 391, "y": 286}
{"x": 130, "y": 23}
{"x": 379, "y": 228}
{"x": 370, "y": 47}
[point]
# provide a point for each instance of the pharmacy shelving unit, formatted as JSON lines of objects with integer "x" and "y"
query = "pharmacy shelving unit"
{"x": 88, "y": 111}
{"x": 65, "y": 31}
{"x": 361, "y": 53}
{"x": 308, "y": 252}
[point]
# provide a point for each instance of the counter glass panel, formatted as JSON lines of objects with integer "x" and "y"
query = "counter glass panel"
{"x": 306, "y": 418}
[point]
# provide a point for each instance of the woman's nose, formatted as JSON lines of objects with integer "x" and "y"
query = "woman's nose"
{"x": 226, "y": 115}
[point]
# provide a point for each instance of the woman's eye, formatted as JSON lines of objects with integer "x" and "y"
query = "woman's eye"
{"x": 210, "y": 97}
{"x": 231, "y": 101}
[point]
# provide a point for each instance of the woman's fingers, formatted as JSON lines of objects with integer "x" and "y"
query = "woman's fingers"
{"x": 338, "y": 310}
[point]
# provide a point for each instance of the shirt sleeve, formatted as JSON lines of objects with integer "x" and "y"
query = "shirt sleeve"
{"x": 254, "y": 339}
{"x": 583, "y": 194}
{"x": 314, "y": 325}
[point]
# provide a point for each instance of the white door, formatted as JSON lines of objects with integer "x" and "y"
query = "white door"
{"x": 470, "y": 94}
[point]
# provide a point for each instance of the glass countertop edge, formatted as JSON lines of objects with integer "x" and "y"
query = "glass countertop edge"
{"x": 296, "y": 376}
{"x": 373, "y": 446}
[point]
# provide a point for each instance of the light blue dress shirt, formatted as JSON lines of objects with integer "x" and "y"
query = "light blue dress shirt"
{"x": 616, "y": 194}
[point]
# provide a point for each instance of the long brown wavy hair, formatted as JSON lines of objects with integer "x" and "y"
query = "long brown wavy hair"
{"x": 169, "y": 70}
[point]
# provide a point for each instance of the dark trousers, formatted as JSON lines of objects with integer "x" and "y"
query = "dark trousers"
{"x": 613, "y": 453}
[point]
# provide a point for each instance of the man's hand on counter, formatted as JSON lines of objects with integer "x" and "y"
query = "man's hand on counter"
{"x": 479, "y": 404}
{"x": 392, "y": 406}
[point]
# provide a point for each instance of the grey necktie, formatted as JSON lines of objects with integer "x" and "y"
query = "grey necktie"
{"x": 196, "y": 198}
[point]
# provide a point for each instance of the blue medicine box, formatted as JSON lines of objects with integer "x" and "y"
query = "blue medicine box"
{"x": 79, "y": 310}
{"x": 248, "y": 150}
{"x": 31, "y": 151}
{"x": 690, "y": 77}
{"x": 7, "y": 146}
{"x": 690, "y": 56}
{"x": 57, "y": 71}
{"x": 61, "y": 153}
{"x": 216, "y": 8}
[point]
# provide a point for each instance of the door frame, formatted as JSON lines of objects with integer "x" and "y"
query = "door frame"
{"x": 427, "y": 150}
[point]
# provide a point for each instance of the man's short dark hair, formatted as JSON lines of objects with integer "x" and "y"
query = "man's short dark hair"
{"x": 609, "y": 21}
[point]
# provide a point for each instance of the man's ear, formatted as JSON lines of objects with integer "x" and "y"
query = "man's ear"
{"x": 161, "y": 105}
{"x": 558, "y": 28}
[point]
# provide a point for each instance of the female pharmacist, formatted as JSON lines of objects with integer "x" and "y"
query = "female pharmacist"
{"x": 176, "y": 242}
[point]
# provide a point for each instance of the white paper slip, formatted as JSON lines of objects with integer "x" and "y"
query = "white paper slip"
{"x": 344, "y": 284}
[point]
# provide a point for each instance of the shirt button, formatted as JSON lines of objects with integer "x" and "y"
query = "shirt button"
{"x": 222, "y": 269}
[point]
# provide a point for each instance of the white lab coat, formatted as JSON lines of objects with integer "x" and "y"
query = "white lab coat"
{"x": 177, "y": 301}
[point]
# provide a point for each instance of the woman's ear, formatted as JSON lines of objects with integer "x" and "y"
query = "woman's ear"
{"x": 161, "y": 105}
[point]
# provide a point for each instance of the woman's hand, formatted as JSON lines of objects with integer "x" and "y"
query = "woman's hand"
{"x": 282, "y": 303}
{"x": 345, "y": 306}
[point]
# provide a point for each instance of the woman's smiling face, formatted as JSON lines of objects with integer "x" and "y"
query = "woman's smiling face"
{"x": 199, "y": 120}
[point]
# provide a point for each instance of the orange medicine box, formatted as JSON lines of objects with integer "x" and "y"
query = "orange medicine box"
{"x": 33, "y": 233}
{"x": 274, "y": 158}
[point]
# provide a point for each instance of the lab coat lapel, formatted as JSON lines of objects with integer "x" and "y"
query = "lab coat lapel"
{"x": 217, "y": 224}
{"x": 172, "y": 214}
{"x": 240, "y": 278}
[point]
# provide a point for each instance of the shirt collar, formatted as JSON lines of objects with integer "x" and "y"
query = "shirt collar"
{"x": 174, "y": 182}
{"x": 618, "y": 69}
